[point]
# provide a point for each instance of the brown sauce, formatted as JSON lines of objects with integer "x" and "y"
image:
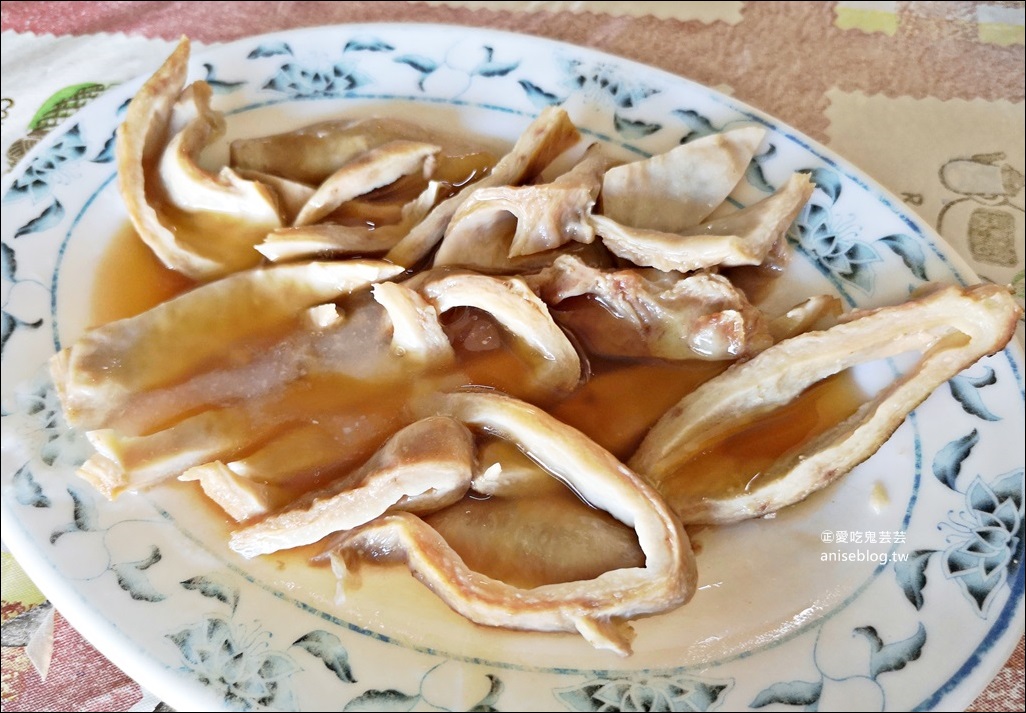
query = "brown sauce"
{"x": 742, "y": 461}
{"x": 130, "y": 279}
{"x": 528, "y": 541}
{"x": 525, "y": 540}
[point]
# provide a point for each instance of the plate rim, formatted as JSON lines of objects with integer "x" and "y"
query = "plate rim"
{"x": 38, "y": 571}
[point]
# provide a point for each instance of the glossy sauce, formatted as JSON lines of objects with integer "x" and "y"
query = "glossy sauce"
{"x": 130, "y": 279}
{"x": 738, "y": 462}
{"x": 616, "y": 405}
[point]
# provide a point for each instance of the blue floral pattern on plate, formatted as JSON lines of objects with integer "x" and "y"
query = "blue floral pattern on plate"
{"x": 151, "y": 579}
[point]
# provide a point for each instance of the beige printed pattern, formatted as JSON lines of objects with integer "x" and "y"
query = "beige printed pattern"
{"x": 729, "y": 12}
{"x": 995, "y": 24}
{"x": 810, "y": 64}
{"x": 37, "y": 69}
{"x": 867, "y": 15}
{"x": 1001, "y": 25}
{"x": 970, "y": 187}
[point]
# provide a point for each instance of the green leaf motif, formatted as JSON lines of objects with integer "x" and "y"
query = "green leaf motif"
{"x": 424, "y": 65}
{"x": 630, "y": 129}
{"x": 911, "y": 575}
{"x": 27, "y": 491}
{"x": 390, "y": 700}
{"x": 910, "y": 251}
{"x": 131, "y": 577}
{"x": 538, "y": 96}
{"x": 947, "y": 464}
{"x": 367, "y": 44}
{"x": 51, "y": 216}
{"x": 646, "y": 693}
{"x": 84, "y": 517}
{"x": 966, "y": 391}
{"x": 895, "y": 655}
{"x": 329, "y": 649}
{"x": 215, "y": 589}
{"x": 789, "y": 693}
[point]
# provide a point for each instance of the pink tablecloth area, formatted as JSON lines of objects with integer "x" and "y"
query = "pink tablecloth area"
{"x": 917, "y": 94}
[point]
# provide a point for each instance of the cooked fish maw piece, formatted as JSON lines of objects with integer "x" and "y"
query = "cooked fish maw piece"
{"x": 805, "y": 315}
{"x": 201, "y": 224}
{"x": 549, "y": 135}
{"x": 335, "y": 239}
{"x": 504, "y": 470}
{"x": 292, "y": 195}
{"x": 194, "y": 125}
{"x": 952, "y": 327}
{"x": 97, "y": 374}
{"x": 359, "y": 407}
{"x": 269, "y": 478}
{"x": 597, "y": 608}
{"x": 134, "y": 463}
{"x": 673, "y": 191}
{"x": 312, "y": 153}
{"x": 367, "y": 172}
{"x": 546, "y": 216}
{"x": 743, "y": 238}
{"x": 341, "y": 371}
{"x": 416, "y": 332}
{"x": 556, "y": 364}
{"x": 648, "y": 313}
{"x": 324, "y": 240}
{"x": 241, "y": 498}
{"x": 424, "y": 467}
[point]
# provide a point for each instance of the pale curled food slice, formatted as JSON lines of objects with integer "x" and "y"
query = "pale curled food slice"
{"x": 742, "y": 238}
{"x": 597, "y": 608}
{"x": 555, "y": 363}
{"x": 292, "y": 195}
{"x": 423, "y": 467}
{"x": 673, "y": 191}
{"x": 532, "y": 530}
{"x": 416, "y": 331}
{"x": 648, "y": 313}
{"x": 951, "y": 327}
{"x": 549, "y": 135}
{"x": 365, "y": 173}
{"x": 503, "y": 470}
{"x": 545, "y": 217}
{"x": 194, "y": 125}
{"x": 241, "y": 498}
{"x": 312, "y": 153}
{"x": 123, "y": 462}
{"x": 805, "y": 315}
{"x": 260, "y": 481}
{"x": 339, "y": 371}
{"x": 337, "y": 239}
{"x": 109, "y": 364}
{"x": 338, "y": 402}
{"x": 326, "y": 240}
{"x": 201, "y": 224}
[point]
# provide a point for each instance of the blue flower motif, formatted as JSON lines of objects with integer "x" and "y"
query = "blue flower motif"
{"x": 40, "y": 408}
{"x": 36, "y": 182}
{"x": 847, "y": 674}
{"x": 299, "y": 81}
{"x": 986, "y": 546}
{"x": 245, "y": 669}
{"x": 835, "y": 246}
{"x": 608, "y": 82}
{"x": 645, "y": 693}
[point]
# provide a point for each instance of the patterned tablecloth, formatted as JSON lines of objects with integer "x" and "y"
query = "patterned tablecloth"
{"x": 927, "y": 97}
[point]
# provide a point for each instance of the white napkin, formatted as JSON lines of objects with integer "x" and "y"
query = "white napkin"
{"x": 46, "y": 78}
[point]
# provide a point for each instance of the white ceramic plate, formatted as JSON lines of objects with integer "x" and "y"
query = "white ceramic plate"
{"x": 899, "y": 588}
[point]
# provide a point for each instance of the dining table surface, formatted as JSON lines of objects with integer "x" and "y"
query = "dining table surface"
{"x": 916, "y": 94}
